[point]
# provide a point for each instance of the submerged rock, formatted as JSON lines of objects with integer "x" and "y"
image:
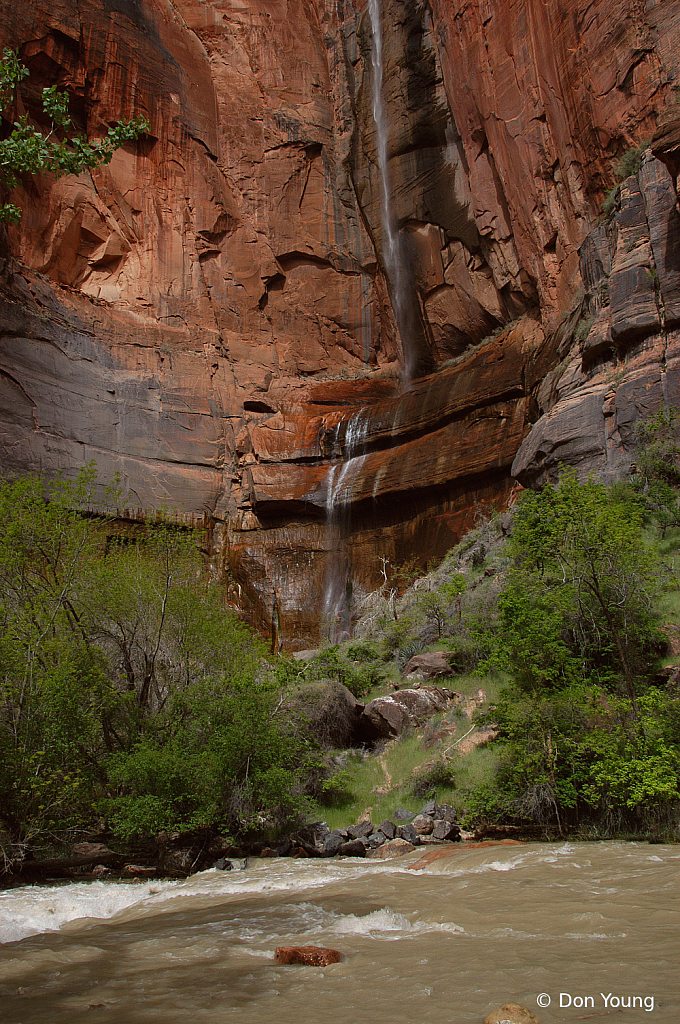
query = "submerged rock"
{"x": 511, "y": 1013}
{"x": 310, "y": 956}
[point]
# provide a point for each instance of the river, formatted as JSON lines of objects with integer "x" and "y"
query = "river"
{"x": 447, "y": 942}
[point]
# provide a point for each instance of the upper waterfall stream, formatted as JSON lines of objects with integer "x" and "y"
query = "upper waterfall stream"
{"x": 392, "y": 248}
{"x": 446, "y": 943}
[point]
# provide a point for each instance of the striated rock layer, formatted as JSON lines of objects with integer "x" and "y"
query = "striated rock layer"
{"x": 210, "y": 316}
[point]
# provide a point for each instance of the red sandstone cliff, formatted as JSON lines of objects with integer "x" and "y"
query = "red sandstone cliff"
{"x": 204, "y": 314}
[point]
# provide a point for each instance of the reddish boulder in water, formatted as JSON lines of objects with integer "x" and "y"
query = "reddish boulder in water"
{"x": 511, "y": 1013}
{"x": 310, "y": 956}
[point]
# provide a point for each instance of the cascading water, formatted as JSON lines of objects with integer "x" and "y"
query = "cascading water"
{"x": 338, "y": 585}
{"x": 392, "y": 247}
{"x": 405, "y": 304}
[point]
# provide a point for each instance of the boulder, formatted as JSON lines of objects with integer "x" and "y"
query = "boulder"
{"x": 408, "y": 833}
{"x": 403, "y": 815}
{"x": 364, "y": 828}
{"x": 330, "y": 713}
{"x": 310, "y": 838}
{"x": 392, "y": 848}
{"x": 423, "y": 824}
{"x": 431, "y": 809}
{"x": 100, "y": 871}
{"x": 447, "y": 812}
{"x": 390, "y": 716}
{"x": 388, "y": 829}
{"x": 376, "y": 840}
{"x": 384, "y": 718}
{"x": 313, "y": 834}
{"x": 223, "y": 864}
{"x": 433, "y": 665}
{"x": 332, "y": 844}
{"x": 353, "y": 848}
{"x": 445, "y": 830}
{"x": 310, "y": 956}
{"x": 511, "y": 1013}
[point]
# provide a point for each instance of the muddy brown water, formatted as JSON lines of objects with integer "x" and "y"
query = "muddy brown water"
{"x": 446, "y": 942}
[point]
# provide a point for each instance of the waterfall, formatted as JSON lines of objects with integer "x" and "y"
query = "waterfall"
{"x": 405, "y": 303}
{"x": 392, "y": 248}
{"x": 342, "y": 474}
{"x": 338, "y": 581}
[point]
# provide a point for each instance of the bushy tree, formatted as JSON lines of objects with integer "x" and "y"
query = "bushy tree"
{"x": 580, "y": 598}
{"x": 657, "y": 477}
{"x": 586, "y": 734}
{"x": 127, "y": 689}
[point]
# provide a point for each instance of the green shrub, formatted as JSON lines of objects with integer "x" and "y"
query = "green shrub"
{"x": 586, "y": 738}
{"x": 331, "y": 663}
{"x": 127, "y": 689}
{"x": 427, "y": 780}
{"x": 631, "y": 161}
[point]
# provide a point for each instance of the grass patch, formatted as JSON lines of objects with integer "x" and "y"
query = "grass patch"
{"x": 418, "y": 765}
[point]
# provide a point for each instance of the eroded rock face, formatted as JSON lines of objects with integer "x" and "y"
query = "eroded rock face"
{"x": 209, "y": 316}
{"x": 625, "y": 360}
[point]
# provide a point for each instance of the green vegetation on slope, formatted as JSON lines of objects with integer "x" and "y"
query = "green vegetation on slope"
{"x": 575, "y": 610}
{"x": 132, "y": 700}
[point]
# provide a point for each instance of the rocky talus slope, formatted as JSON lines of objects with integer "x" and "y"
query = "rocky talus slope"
{"x": 210, "y": 317}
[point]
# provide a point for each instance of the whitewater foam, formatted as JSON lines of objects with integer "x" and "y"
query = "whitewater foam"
{"x": 32, "y": 910}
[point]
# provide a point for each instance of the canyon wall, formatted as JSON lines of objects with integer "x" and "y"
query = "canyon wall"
{"x": 210, "y": 317}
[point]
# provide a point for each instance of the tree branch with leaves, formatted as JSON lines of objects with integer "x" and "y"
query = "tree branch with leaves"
{"x": 28, "y": 150}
